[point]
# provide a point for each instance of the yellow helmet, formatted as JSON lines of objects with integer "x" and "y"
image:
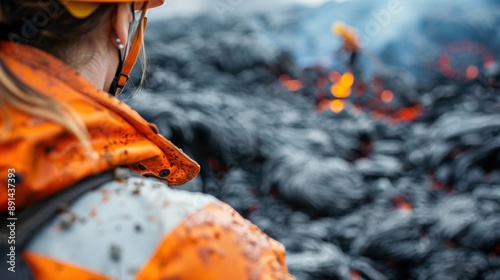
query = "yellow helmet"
{"x": 83, "y": 8}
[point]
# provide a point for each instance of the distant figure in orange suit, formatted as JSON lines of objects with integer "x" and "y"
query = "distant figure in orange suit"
{"x": 350, "y": 39}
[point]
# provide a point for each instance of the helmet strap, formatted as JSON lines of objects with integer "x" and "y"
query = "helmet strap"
{"x": 127, "y": 63}
{"x": 114, "y": 85}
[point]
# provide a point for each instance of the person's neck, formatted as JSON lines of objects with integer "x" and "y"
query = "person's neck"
{"x": 97, "y": 71}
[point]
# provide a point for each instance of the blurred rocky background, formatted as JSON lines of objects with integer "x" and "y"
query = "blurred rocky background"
{"x": 397, "y": 176}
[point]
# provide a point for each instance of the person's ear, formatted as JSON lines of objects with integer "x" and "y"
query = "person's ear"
{"x": 122, "y": 20}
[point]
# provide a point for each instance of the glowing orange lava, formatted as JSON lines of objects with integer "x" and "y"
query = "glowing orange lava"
{"x": 472, "y": 72}
{"x": 342, "y": 88}
{"x": 334, "y": 76}
{"x": 289, "y": 84}
{"x": 387, "y": 96}
{"x": 323, "y": 105}
{"x": 337, "y": 106}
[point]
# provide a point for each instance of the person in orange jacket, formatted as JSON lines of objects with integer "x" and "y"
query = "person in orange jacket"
{"x": 71, "y": 154}
{"x": 350, "y": 41}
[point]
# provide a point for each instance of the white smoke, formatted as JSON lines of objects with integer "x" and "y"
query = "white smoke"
{"x": 174, "y": 8}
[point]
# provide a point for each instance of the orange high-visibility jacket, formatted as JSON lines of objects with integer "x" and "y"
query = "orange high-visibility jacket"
{"x": 136, "y": 228}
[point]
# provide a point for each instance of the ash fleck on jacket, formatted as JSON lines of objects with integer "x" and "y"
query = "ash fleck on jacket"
{"x": 133, "y": 228}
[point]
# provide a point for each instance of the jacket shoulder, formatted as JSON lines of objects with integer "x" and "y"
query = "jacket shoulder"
{"x": 217, "y": 243}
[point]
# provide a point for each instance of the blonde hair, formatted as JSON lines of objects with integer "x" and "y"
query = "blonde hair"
{"x": 25, "y": 99}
